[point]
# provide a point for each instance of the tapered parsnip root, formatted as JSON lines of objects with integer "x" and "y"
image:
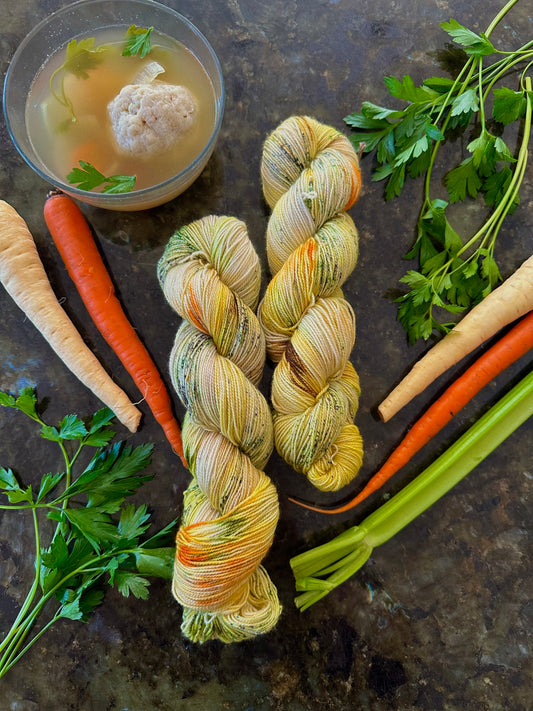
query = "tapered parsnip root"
{"x": 512, "y": 299}
{"x": 24, "y": 278}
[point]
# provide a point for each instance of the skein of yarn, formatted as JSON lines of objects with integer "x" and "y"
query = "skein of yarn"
{"x": 310, "y": 175}
{"x": 211, "y": 276}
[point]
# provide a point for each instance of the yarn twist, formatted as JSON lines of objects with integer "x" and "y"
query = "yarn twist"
{"x": 211, "y": 276}
{"x": 310, "y": 175}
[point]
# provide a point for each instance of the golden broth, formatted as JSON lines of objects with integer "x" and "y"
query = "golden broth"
{"x": 61, "y": 142}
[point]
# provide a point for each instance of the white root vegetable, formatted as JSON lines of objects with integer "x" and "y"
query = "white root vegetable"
{"x": 23, "y": 275}
{"x": 509, "y": 301}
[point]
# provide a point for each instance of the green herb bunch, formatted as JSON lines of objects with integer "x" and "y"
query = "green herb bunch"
{"x": 454, "y": 272}
{"x": 97, "y": 541}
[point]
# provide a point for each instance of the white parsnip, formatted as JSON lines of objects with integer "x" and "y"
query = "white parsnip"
{"x": 509, "y": 301}
{"x": 23, "y": 275}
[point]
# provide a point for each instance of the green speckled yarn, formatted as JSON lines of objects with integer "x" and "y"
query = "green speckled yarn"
{"x": 310, "y": 175}
{"x": 210, "y": 275}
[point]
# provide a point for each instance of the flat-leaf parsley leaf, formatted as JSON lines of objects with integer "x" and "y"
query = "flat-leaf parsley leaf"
{"x": 138, "y": 41}
{"x": 87, "y": 177}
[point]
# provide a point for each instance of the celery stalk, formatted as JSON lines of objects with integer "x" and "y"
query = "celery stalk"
{"x": 321, "y": 569}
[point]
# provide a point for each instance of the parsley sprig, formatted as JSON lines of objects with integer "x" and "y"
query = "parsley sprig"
{"x": 98, "y": 539}
{"x": 138, "y": 41}
{"x": 81, "y": 56}
{"x": 87, "y": 177}
{"x": 454, "y": 272}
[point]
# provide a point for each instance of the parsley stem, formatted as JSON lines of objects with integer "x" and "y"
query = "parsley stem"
{"x": 468, "y": 67}
{"x": 504, "y": 205}
{"x": 494, "y": 76}
{"x": 19, "y": 633}
{"x": 481, "y": 111}
{"x": 12, "y": 660}
{"x": 33, "y": 590}
{"x": 19, "y": 628}
{"x": 501, "y": 14}
{"x": 519, "y": 172}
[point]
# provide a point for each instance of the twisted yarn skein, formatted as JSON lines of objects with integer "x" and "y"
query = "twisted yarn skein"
{"x": 310, "y": 175}
{"x": 210, "y": 274}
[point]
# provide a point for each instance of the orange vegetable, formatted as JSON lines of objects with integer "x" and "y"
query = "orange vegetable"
{"x": 512, "y": 346}
{"x": 73, "y": 238}
{"x": 509, "y": 301}
{"x": 23, "y": 275}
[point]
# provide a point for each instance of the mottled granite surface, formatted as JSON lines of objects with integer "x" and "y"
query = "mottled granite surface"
{"x": 440, "y": 618}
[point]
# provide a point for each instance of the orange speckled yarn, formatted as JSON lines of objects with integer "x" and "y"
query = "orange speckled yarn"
{"x": 210, "y": 274}
{"x": 311, "y": 176}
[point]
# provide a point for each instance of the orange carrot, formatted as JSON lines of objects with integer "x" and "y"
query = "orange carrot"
{"x": 509, "y": 301}
{"x": 23, "y": 275}
{"x": 77, "y": 248}
{"x": 512, "y": 346}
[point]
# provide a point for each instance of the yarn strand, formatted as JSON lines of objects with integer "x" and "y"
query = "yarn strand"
{"x": 211, "y": 276}
{"x": 310, "y": 175}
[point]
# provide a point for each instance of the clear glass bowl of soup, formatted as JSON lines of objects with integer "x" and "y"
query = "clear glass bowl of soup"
{"x": 56, "y": 105}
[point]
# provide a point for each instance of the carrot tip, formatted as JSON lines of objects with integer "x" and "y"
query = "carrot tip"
{"x": 311, "y": 506}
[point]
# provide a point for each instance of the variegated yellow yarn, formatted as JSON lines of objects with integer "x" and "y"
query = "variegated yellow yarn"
{"x": 210, "y": 274}
{"x": 310, "y": 175}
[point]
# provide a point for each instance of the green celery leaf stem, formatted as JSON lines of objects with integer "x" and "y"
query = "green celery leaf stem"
{"x": 354, "y": 546}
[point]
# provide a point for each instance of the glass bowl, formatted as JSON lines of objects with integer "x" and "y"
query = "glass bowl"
{"x": 82, "y": 19}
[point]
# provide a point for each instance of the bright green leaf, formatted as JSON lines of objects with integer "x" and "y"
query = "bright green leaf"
{"x": 27, "y": 402}
{"x": 48, "y": 483}
{"x": 476, "y": 45}
{"x": 7, "y": 400}
{"x": 158, "y": 562}
{"x": 100, "y": 419}
{"x": 441, "y": 85}
{"x": 97, "y": 527}
{"x": 462, "y": 181}
{"x": 87, "y": 177}
{"x": 138, "y": 41}
{"x": 56, "y": 556}
{"x": 12, "y": 489}
{"x": 508, "y": 105}
{"x": 502, "y": 151}
{"x": 413, "y": 151}
{"x": 465, "y": 103}
{"x": 406, "y": 89}
{"x": 395, "y": 182}
{"x": 71, "y": 427}
{"x": 378, "y": 114}
{"x": 133, "y": 521}
{"x": 71, "y": 610}
{"x": 127, "y": 583}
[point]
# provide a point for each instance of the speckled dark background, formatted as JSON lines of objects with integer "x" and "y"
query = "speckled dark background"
{"x": 440, "y": 618}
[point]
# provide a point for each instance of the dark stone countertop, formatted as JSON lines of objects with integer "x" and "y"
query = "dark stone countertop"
{"x": 440, "y": 618}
